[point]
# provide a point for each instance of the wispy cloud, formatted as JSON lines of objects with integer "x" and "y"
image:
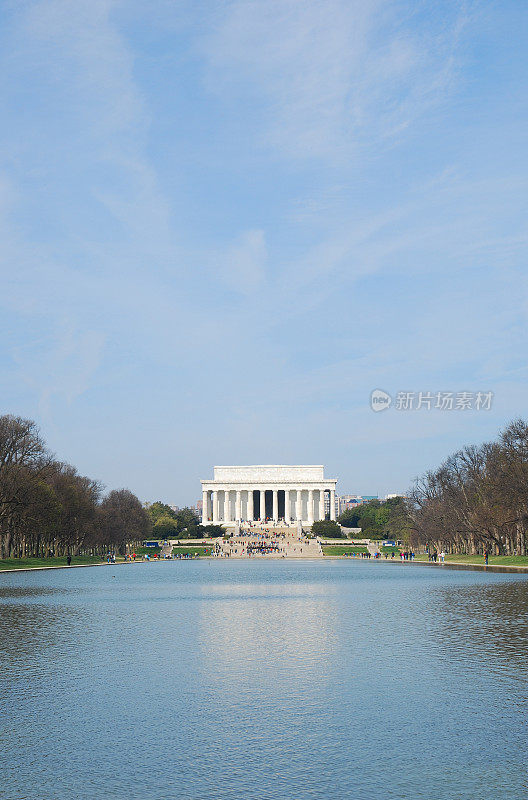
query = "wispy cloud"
{"x": 336, "y": 76}
{"x": 84, "y": 213}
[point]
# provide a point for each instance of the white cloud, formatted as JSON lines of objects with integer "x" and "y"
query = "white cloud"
{"x": 334, "y": 76}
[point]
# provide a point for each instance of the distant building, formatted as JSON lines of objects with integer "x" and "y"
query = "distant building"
{"x": 327, "y": 501}
{"x": 197, "y": 508}
{"x": 347, "y": 501}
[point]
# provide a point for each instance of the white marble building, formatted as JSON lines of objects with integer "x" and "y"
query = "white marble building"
{"x": 276, "y": 493}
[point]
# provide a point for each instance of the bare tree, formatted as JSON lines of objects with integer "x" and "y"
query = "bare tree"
{"x": 122, "y": 519}
{"x": 47, "y": 508}
{"x": 478, "y": 498}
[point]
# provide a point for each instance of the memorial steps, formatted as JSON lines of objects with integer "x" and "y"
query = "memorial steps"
{"x": 272, "y": 543}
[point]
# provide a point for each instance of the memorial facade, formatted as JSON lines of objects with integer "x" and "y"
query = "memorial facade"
{"x": 267, "y": 493}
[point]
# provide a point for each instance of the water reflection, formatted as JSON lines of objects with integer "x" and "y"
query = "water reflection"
{"x": 487, "y": 622}
{"x": 256, "y": 633}
{"x": 25, "y": 592}
{"x": 503, "y": 570}
{"x": 28, "y": 632}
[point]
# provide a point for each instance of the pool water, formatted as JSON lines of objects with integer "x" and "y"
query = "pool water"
{"x": 263, "y": 680}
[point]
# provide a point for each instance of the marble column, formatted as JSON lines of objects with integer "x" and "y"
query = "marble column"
{"x": 286, "y": 505}
{"x": 216, "y": 510}
{"x": 205, "y": 515}
{"x": 238, "y": 506}
{"x": 310, "y": 506}
{"x": 298, "y": 505}
{"x": 332, "y": 504}
{"x": 262, "y": 505}
{"x": 250, "y": 505}
{"x": 321, "y": 504}
{"x": 227, "y": 510}
{"x": 275, "y": 505}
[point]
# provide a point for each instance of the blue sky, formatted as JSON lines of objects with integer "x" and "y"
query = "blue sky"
{"x": 224, "y": 223}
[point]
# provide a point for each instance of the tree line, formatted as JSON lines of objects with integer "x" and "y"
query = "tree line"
{"x": 48, "y": 509}
{"x": 182, "y": 524}
{"x": 387, "y": 519}
{"x": 378, "y": 519}
{"x": 477, "y": 499}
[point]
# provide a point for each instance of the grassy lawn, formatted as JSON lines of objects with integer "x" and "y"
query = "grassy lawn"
{"x": 506, "y": 561}
{"x": 27, "y": 563}
{"x": 192, "y": 550}
{"x": 341, "y": 549}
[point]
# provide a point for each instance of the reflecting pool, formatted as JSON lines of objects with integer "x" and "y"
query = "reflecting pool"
{"x": 263, "y": 680}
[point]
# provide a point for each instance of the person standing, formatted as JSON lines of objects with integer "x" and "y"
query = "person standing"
{"x": 486, "y": 556}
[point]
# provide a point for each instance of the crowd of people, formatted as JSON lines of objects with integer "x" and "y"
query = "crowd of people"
{"x": 434, "y": 556}
{"x": 263, "y": 548}
{"x": 404, "y": 555}
{"x": 253, "y": 540}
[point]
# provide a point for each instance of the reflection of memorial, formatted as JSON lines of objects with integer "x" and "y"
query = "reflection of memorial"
{"x": 267, "y": 493}
{"x": 260, "y": 634}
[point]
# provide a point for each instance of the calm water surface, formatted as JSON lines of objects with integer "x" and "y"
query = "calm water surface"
{"x": 260, "y": 680}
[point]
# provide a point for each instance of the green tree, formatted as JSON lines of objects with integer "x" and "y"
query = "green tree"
{"x": 166, "y": 528}
{"x": 350, "y": 518}
{"x": 399, "y": 524}
{"x": 328, "y": 529}
{"x": 159, "y": 509}
{"x": 211, "y": 531}
{"x": 373, "y": 517}
{"x": 188, "y": 524}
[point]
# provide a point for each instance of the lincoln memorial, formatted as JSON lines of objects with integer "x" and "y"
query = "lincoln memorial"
{"x": 275, "y": 493}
